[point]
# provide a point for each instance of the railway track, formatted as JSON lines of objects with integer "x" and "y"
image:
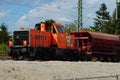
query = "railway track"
{"x": 5, "y": 57}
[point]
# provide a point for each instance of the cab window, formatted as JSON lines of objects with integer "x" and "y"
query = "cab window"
{"x": 60, "y": 29}
{"x": 37, "y": 27}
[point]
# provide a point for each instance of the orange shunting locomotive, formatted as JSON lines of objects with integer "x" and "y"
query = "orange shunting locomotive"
{"x": 45, "y": 41}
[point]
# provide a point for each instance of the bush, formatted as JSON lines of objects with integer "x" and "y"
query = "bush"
{"x": 3, "y": 48}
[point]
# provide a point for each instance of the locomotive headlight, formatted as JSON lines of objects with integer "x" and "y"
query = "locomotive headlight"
{"x": 24, "y": 43}
{"x": 10, "y": 43}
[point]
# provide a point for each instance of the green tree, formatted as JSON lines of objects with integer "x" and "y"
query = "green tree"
{"x": 49, "y": 21}
{"x": 102, "y": 20}
{"x": 116, "y": 22}
{"x": 70, "y": 27}
{"x": 4, "y": 34}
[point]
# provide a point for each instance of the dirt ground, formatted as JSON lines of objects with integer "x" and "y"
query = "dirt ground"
{"x": 55, "y": 70}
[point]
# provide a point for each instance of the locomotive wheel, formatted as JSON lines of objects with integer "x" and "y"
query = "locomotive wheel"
{"x": 67, "y": 54}
{"x": 52, "y": 54}
{"x": 38, "y": 53}
{"x": 71, "y": 55}
{"x": 76, "y": 55}
{"x": 16, "y": 56}
{"x": 45, "y": 54}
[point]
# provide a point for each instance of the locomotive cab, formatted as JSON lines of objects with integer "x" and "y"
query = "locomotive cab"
{"x": 59, "y": 38}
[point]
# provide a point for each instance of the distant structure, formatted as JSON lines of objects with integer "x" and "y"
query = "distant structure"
{"x": 117, "y": 11}
{"x": 79, "y": 15}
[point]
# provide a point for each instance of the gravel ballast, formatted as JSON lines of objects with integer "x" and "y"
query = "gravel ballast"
{"x": 55, "y": 70}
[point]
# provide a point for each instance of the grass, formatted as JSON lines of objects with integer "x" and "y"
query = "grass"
{"x": 3, "y": 51}
{"x": 3, "y": 48}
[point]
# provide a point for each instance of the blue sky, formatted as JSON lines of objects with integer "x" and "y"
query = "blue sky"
{"x": 26, "y": 13}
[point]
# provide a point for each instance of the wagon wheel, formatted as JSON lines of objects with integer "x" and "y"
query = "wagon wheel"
{"x": 94, "y": 59}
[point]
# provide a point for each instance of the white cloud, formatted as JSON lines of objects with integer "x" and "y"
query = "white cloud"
{"x": 63, "y": 11}
{"x": 60, "y": 11}
{"x": 64, "y": 19}
{"x": 4, "y": 13}
{"x": 91, "y": 2}
{"x": 90, "y": 15}
{"x": 22, "y": 20}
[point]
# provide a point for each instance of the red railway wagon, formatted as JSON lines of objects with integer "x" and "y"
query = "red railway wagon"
{"x": 99, "y": 46}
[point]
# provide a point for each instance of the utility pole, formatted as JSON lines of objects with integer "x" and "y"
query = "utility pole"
{"x": 79, "y": 15}
{"x": 117, "y": 4}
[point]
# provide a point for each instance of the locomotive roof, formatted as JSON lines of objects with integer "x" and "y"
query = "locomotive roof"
{"x": 57, "y": 24}
{"x": 99, "y": 35}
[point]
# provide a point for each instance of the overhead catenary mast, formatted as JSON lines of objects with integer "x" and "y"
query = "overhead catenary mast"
{"x": 117, "y": 4}
{"x": 79, "y": 15}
